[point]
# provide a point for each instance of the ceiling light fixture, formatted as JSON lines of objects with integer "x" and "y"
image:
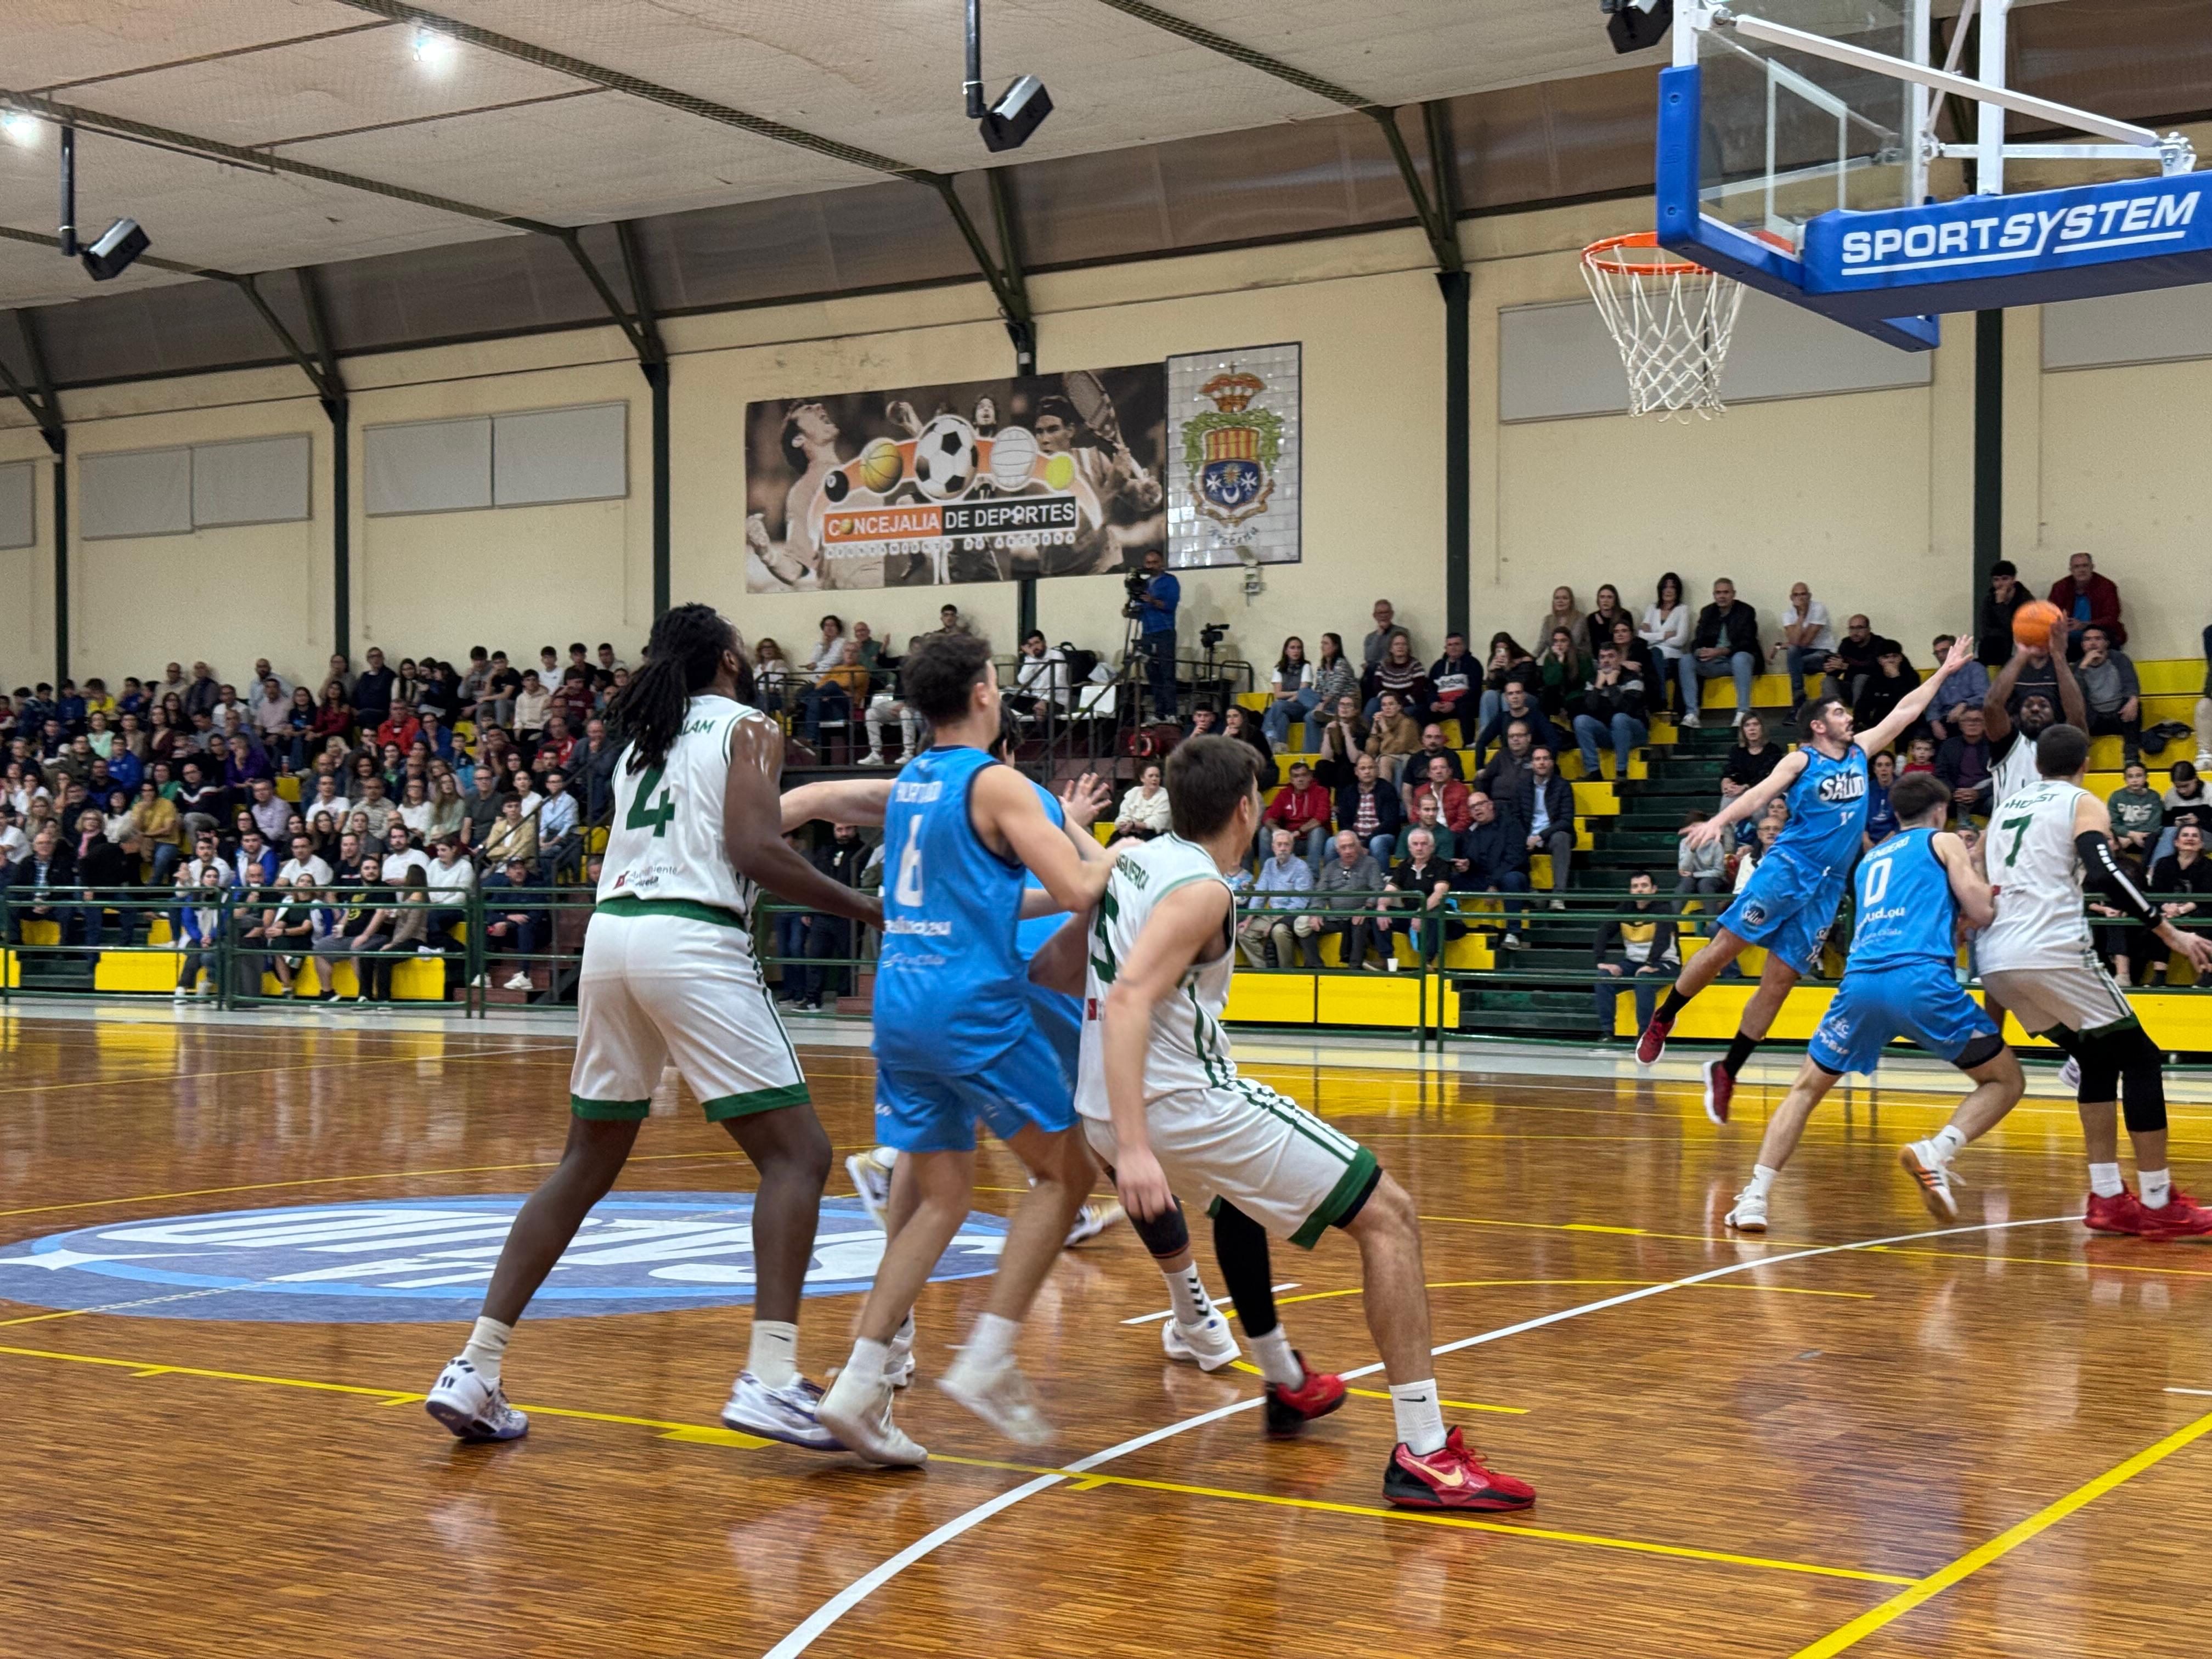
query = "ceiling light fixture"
{"x": 1021, "y": 108}
{"x": 21, "y": 127}
{"x": 433, "y": 51}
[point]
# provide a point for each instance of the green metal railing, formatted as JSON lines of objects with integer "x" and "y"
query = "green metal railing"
{"x": 520, "y": 948}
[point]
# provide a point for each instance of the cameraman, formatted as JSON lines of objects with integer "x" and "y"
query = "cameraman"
{"x": 1155, "y": 607}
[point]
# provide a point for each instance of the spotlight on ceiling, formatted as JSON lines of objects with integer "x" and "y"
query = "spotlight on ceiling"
{"x": 1019, "y": 111}
{"x": 1636, "y": 24}
{"x": 109, "y": 254}
{"x": 20, "y": 128}
{"x": 433, "y": 51}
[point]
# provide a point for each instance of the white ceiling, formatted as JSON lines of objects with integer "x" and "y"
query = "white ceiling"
{"x": 324, "y": 82}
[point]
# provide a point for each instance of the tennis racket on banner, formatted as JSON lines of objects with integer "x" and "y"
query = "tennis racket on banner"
{"x": 1088, "y": 393}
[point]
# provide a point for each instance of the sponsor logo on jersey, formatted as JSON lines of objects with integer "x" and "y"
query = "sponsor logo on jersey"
{"x": 419, "y": 1259}
{"x": 1838, "y": 787}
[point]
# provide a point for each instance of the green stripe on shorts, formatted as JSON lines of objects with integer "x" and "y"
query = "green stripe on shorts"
{"x": 1361, "y": 1170}
{"x": 725, "y": 1107}
{"x": 609, "y": 1111}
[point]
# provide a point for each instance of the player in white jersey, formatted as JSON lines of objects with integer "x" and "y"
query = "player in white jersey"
{"x": 2038, "y": 959}
{"x": 2011, "y": 735}
{"x": 1163, "y": 1108}
{"x": 668, "y": 974}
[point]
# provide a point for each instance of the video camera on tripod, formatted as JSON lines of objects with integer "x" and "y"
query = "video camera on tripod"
{"x": 1135, "y": 586}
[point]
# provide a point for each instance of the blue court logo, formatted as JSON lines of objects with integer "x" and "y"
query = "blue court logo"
{"x": 422, "y": 1259}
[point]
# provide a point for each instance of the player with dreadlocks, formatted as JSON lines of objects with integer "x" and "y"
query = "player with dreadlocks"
{"x": 668, "y": 974}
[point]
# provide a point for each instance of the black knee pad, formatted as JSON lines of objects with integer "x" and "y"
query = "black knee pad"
{"x": 2143, "y": 1082}
{"x": 1167, "y": 1235}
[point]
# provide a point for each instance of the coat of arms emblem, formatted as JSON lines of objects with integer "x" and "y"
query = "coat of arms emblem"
{"x": 1231, "y": 449}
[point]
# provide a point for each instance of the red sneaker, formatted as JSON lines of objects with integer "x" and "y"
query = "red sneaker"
{"x": 1653, "y": 1042}
{"x": 2179, "y": 1217}
{"x": 1720, "y": 1090}
{"x": 1288, "y": 1410}
{"x": 2123, "y": 1215}
{"x": 1454, "y": 1478}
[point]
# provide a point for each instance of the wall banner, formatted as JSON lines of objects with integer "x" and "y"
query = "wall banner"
{"x": 1048, "y": 475}
{"x": 1234, "y": 430}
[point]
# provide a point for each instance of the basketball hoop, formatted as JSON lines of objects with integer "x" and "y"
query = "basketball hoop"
{"x": 1671, "y": 319}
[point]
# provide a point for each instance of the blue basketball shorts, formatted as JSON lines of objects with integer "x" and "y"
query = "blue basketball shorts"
{"x": 927, "y": 1111}
{"x": 1788, "y": 909}
{"x": 1921, "y": 1000}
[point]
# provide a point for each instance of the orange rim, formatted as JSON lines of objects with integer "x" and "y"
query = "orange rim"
{"x": 1593, "y": 256}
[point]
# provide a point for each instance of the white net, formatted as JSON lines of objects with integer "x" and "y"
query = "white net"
{"x": 1671, "y": 320}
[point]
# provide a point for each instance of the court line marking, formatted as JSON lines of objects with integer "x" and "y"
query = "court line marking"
{"x": 1092, "y": 1482}
{"x": 695, "y": 1432}
{"x": 2076, "y": 1261}
{"x": 803, "y": 1636}
{"x": 1251, "y": 1370}
{"x": 1223, "y": 1306}
{"x": 2208, "y": 1391}
{"x": 336, "y": 1180}
{"x": 124, "y": 1077}
{"x": 2003, "y": 1544}
{"x": 699, "y": 1434}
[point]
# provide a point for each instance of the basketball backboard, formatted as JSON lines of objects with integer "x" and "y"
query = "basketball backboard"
{"x": 1800, "y": 153}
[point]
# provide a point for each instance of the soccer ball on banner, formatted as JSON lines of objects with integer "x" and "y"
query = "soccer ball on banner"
{"x": 944, "y": 457}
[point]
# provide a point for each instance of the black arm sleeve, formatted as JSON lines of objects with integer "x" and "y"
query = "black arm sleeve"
{"x": 2103, "y": 874}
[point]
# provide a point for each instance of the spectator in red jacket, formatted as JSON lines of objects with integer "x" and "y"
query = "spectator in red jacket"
{"x": 400, "y": 729}
{"x": 1302, "y": 807}
{"x": 2088, "y": 600}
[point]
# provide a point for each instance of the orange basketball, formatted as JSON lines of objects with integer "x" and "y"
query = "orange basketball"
{"x": 2032, "y": 622}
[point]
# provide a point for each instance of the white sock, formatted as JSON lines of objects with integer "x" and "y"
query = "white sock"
{"x": 991, "y": 1344}
{"x": 1187, "y": 1291}
{"x": 1762, "y": 1180}
{"x": 774, "y": 1358}
{"x": 484, "y": 1347}
{"x": 869, "y": 1359}
{"x": 1948, "y": 1143}
{"x": 2105, "y": 1180}
{"x": 2157, "y": 1187}
{"x": 1277, "y": 1363}
{"x": 1420, "y": 1416}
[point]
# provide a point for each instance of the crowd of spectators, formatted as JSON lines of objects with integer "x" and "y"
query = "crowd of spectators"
{"x": 1413, "y": 788}
{"x": 349, "y": 822}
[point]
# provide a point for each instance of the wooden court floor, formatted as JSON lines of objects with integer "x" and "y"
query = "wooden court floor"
{"x": 1856, "y": 1435}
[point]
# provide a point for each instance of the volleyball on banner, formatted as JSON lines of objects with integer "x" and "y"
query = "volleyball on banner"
{"x": 1047, "y": 475}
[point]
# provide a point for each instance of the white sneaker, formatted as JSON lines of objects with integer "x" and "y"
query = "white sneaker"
{"x": 1092, "y": 1220}
{"x": 872, "y": 1180}
{"x": 1925, "y": 1165}
{"x": 2070, "y": 1074}
{"x": 1749, "y": 1215}
{"x": 858, "y": 1411}
{"x": 2204, "y": 760}
{"x": 1209, "y": 1344}
{"x": 1000, "y": 1396}
{"x": 518, "y": 982}
{"x": 873, "y": 757}
{"x": 472, "y": 1408}
{"x": 1690, "y": 721}
{"x": 898, "y": 1356}
{"x": 1738, "y": 720}
{"x": 786, "y": 1414}
{"x": 181, "y": 994}
{"x": 479, "y": 982}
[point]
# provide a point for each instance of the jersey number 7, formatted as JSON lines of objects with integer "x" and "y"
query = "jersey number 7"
{"x": 2019, "y": 828}
{"x": 645, "y": 812}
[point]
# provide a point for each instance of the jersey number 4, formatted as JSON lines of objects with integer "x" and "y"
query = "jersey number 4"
{"x": 645, "y": 812}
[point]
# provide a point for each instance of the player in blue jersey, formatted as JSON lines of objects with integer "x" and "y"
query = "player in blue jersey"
{"x": 1792, "y": 898}
{"x": 957, "y": 1043}
{"x": 1914, "y": 892}
{"x": 1194, "y": 1332}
